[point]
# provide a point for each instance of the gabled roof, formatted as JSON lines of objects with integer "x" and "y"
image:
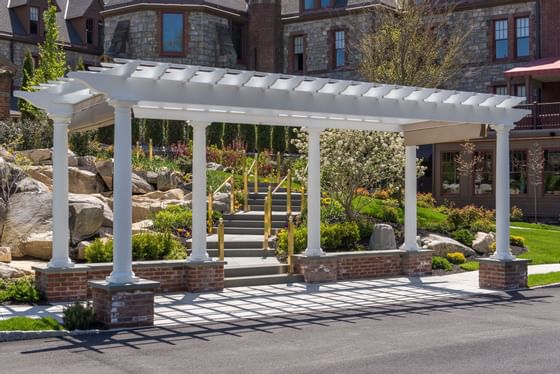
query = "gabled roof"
{"x": 292, "y": 7}
{"x": 76, "y": 8}
{"x": 17, "y": 3}
{"x": 234, "y": 5}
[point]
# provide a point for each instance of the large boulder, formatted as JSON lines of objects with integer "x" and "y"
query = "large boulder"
{"x": 86, "y": 217}
{"x": 43, "y": 174}
{"x": 8, "y": 272}
{"x": 142, "y": 226}
{"x": 482, "y": 242}
{"x": 36, "y": 155}
{"x": 148, "y": 176}
{"x": 5, "y": 254}
{"x": 29, "y": 184}
{"x": 214, "y": 166}
{"x": 28, "y": 214}
{"x": 174, "y": 194}
{"x": 442, "y": 245}
{"x": 38, "y": 245}
{"x": 105, "y": 170}
{"x": 83, "y": 182}
{"x": 140, "y": 186}
{"x": 144, "y": 208}
{"x": 167, "y": 180}
{"x": 382, "y": 238}
{"x": 87, "y": 163}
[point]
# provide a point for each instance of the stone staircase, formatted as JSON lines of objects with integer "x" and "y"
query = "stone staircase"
{"x": 248, "y": 264}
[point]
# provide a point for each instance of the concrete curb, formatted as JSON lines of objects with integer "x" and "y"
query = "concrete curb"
{"x": 11, "y": 336}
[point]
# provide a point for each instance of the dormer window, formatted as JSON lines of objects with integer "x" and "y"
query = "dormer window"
{"x": 89, "y": 31}
{"x": 317, "y": 4}
{"x": 33, "y": 20}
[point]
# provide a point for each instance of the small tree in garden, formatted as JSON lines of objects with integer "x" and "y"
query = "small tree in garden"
{"x": 535, "y": 166}
{"x": 353, "y": 160}
{"x": 27, "y": 110}
{"x": 467, "y": 160}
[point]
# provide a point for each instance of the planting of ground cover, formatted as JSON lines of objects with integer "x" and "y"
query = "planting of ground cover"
{"x": 18, "y": 290}
{"x": 30, "y": 324}
{"x": 543, "y": 279}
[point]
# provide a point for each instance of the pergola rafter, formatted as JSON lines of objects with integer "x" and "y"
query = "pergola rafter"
{"x": 202, "y": 95}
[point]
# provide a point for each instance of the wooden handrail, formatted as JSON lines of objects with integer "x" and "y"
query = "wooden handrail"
{"x": 252, "y": 166}
{"x": 222, "y": 185}
{"x": 280, "y": 184}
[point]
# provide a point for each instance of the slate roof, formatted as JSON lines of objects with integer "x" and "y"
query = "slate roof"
{"x": 77, "y": 8}
{"x": 234, "y": 5}
{"x": 292, "y": 6}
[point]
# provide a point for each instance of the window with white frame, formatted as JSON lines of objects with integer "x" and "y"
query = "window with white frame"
{"x": 340, "y": 48}
{"x": 522, "y": 36}
{"x": 501, "y": 39}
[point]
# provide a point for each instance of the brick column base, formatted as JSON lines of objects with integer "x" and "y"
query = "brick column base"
{"x": 58, "y": 285}
{"x": 124, "y": 305}
{"x": 503, "y": 275}
{"x": 417, "y": 263}
{"x": 317, "y": 269}
{"x": 205, "y": 276}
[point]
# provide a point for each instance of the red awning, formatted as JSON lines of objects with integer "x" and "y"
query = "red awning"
{"x": 543, "y": 67}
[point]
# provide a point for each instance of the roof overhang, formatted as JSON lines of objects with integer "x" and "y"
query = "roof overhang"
{"x": 546, "y": 70}
{"x": 203, "y": 94}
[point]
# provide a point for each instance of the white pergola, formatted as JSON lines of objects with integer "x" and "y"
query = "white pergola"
{"x": 202, "y": 95}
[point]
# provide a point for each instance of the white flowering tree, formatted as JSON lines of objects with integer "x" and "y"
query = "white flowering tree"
{"x": 353, "y": 159}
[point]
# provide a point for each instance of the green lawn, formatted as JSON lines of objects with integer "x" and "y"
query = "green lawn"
{"x": 543, "y": 242}
{"x": 427, "y": 217}
{"x": 29, "y": 324}
{"x": 470, "y": 266}
{"x": 542, "y": 279}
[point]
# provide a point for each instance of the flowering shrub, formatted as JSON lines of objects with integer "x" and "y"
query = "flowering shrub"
{"x": 516, "y": 213}
{"x": 213, "y": 154}
{"x": 517, "y": 241}
{"x": 174, "y": 219}
{"x": 464, "y": 218}
{"x": 456, "y": 258}
{"x": 441, "y": 263}
{"x": 426, "y": 200}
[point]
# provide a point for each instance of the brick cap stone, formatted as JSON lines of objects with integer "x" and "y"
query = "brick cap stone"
{"x": 323, "y": 258}
{"x": 205, "y": 264}
{"x": 498, "y": 261}
{"x": 141, "y": 284}
{"x": 77, "y": 268}
{"x": 415, "y": 253}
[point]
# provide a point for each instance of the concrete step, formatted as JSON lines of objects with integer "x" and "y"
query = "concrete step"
{"x": 236, "y": 242}
{"x": 244, "y": 252}
{"x": 262, "y": 280}
{"x": 258, "y": 202}
{"x": 275, "y": 196}
{"x": 241, "y": 230}
{"x": 254, "y": 270}
{"x": 265, "y": 189}
{"x": 255, "y": 216}
{"x": 251, "y": 223}
{"x": 275, "y": 208}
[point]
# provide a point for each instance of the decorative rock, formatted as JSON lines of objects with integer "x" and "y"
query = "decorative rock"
{"x": 5, "y": 254}
{"x": 442, "y": 245}
{"x": 167, "y": 180}
{"x": 214, "y": 166}
{"x": 86, "y": 217}
{"x": 140, "y": 186}
{"x": 29, "y": 184}
{"x": 8, "y": 272}
{"x": 37, "y": 155}
{"x": 142, "y": 226}
{"x": 42, "y": 174}
{"x": 72, "y": 159}
{"x": 83, "y": 182}
{"x": 87, "y": 163}
{"x": 516, "y": 251}
{"x": 38, "y": 245}
{"x": 382, "y": 238}
{"x": 105, "y": 170}
{"x": 482, "y": 242}
{"x": 81, "y": 250}
{"x": 174, "y": 194}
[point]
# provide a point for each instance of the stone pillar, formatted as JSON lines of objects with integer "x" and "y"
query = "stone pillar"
{"x": 410, "y": 217}
{"x": 502, "y": 194}
{"x": 61, "y": 234}
{"x": 122, "y": 196}
{"x": 199, "y": 211}
{"x": 314, "y": 194}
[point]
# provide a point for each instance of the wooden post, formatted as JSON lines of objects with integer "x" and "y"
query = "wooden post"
{"x": 269, "y": 196}
{"x": 278, "y": 167}
{"x": 151, "y": 151}
{"x": 290, "y": 244}
{"x": 302, "y": 197}
{"x": 265, "y": 231}
{"x": 245, "y": 191}
{"x": 221, "y": 246}
{"x": 210, "y": 211}
{"x": 232, "y": 193}
{"x": 289, "y": 193}
{"x": 137, "y": 149}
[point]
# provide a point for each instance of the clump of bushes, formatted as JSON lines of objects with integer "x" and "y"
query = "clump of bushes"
{"x": 21, "y": 290}
{"x": 425, "y": 200}
{"x": 516, "y": 213}
{"x": 463, "y": 236}
{"x": 174, "y": 219}
{"x": 456, "y": 258}
{"x": 145, "y": 247}
{"x": 517, "y": 241}
{"x": 464, "y": 218}
{"x": 390, "y": 214}
{"x": 331, "y": 211}
{"x": 441, "y": 263}
{"x": 334, "y": 237}
{"x": 79, "y": 316}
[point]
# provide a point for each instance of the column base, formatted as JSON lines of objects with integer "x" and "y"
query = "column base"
{"x": 314, "y": 252}
{"x": 124, "y": 305}
{"x": 205, "y": 276}
{"x": 317, "y": 269}
{"x": 417, "y": 263}
{"x": 60, "y": 264}
{"x": 122, "y": 278}
{"x": 62, "y": 284}
{"x": 503, "y": 274}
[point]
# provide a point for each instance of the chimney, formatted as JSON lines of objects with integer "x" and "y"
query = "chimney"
{"x": 7, "y": 71}
{"x": 265, "y": 35}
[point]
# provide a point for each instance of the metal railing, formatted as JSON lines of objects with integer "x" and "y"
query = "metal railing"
{"x": 543, "y": 116}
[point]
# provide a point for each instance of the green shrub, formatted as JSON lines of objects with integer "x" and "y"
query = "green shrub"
{"x": 483, "y": 225}
{"x": 456, "y": 258}
{"x": 470, "y": 266}
{"x": 300, "y": 242}
{"x": 78, "y": 317}
{"x": 365, "y": 227}
{"x": 389, "y": 214}
{"x": 517, "y": 241}
{"x": 516, "y": 213}
{"x": 463, "y": 218}
{"x": 425, "y": 200}
{"x": 174, "y": 219}
{"x": 145, "y": 247}
{"x": 21, "y": 290}
{"x": 441, "y": 263}
{"x": 184, "y": 164}
{"x": 444, "y": 227}
{"x": 331, "y": 211}
{"x": 463, "y": 236}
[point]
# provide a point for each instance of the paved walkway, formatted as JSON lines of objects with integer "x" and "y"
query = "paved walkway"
{"x": 299, "y": 298}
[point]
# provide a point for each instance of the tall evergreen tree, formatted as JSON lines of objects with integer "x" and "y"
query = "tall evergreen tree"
{"x": 106, "y": 135}
{"x": 27, "y": 110}
{"x": 292, "y": 135}
{"x": 188, "y": 133}
{"x": 51, "y": 54}
{"x": 214, "y": 134}
{"x": 263, "y": 137}
{"x": 136, "y": 130}
{"x": 279, "y": 139}
{"x": 231, "y": 132}
{"x": 175, "y": 132}
{"x": 247, "y": 133}
{"x": 154, "y": 129}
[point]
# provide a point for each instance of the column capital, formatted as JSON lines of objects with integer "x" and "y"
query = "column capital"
{"x": 60, "y": 120}
{"x": 503, "y": 128}
{"x": 199, "y": 124}
{"x": 115, "y": 103}
{"x": 314, "y": 130}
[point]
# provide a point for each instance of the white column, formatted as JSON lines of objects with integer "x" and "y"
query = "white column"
{"x": 122, "y": 195}
{"x": 314, "y": 194}
{"x": 502, "y": 193}
{"x": 199, "y": 212}
{"x": 410, "y": 218}
{"x": 61, "y": 234}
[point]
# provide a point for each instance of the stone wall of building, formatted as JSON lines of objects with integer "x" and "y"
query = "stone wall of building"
{"x": 480, "y": 72}
{"x": 204, "y": 40}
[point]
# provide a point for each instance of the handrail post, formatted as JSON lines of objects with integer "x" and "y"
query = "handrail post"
{"x": 245, "y": 191}
{"x": 256, "y": 181}
{"x": 151, "y": 150}
{"x": 221, "y": 246}
{"x": 290, "y": 244}
{"x": 278, "y": 167}
{"x": 210, "y": 211}
{"x": 302, "y": 197}
{"x": 269, "y": 195}
{"x": 232, "y": 193}
{"x": 137, "y": 149}
{"x": 536, "y": 116}
{"x": 265, "y": 231}
{"x": 289, "y": 193}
